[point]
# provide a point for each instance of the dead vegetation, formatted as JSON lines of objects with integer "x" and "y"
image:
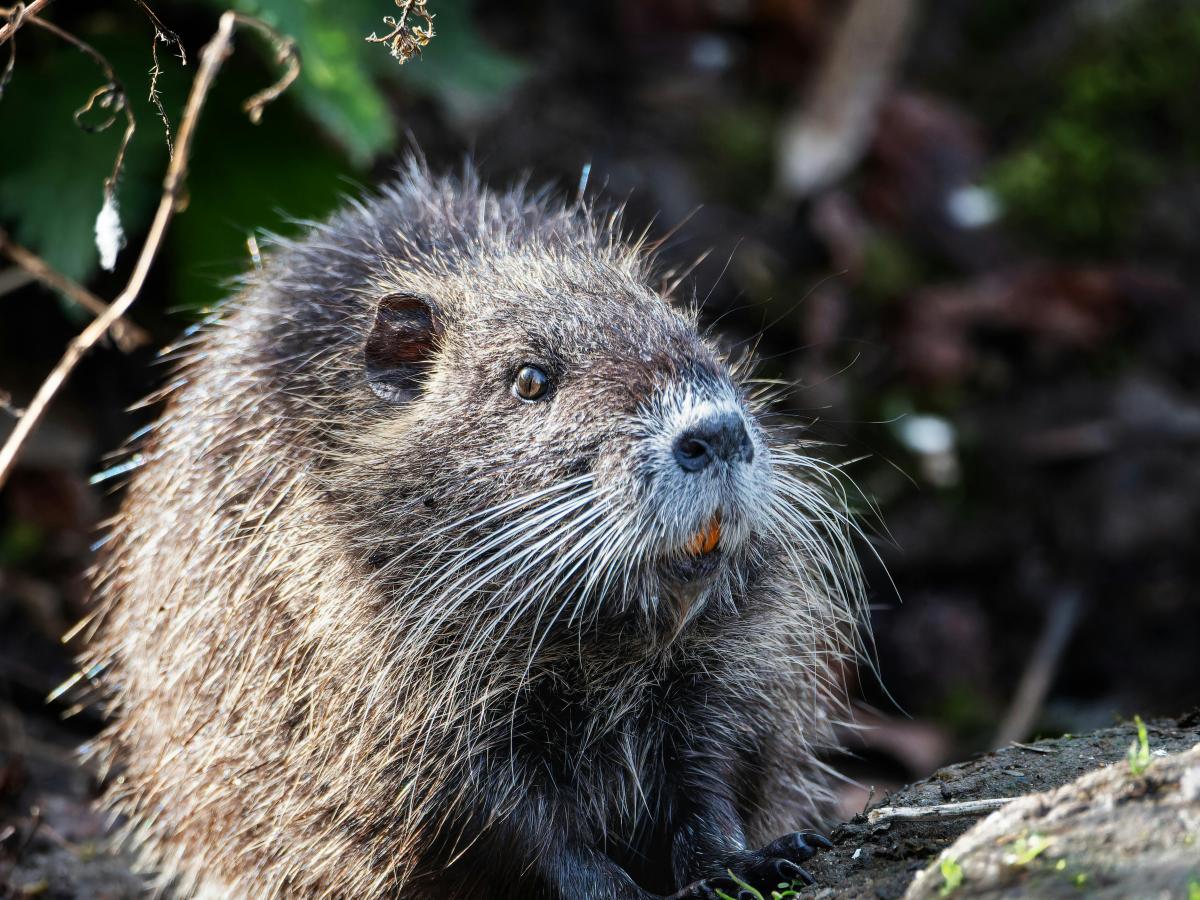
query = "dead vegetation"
{"x": 111, "y": 98}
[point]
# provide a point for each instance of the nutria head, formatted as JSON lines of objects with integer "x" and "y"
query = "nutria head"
{"x": 534, "y": 429}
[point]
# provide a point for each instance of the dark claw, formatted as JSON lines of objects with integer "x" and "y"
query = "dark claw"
{"x": 789, "y": 871}
{"x": 798, "y": 846}
{"x": 766, "y": 869}
{"x": 820, "y": 840}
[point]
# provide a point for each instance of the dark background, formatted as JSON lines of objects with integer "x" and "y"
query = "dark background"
{"x": 987, "y": 307}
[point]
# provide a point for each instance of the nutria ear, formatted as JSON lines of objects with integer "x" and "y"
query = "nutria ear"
{"x": 401, "y": 345}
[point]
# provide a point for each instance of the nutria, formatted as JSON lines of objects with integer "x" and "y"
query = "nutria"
{"x": 460, "y": 565}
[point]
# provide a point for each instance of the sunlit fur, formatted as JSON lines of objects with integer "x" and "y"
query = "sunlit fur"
{"x": 332, "y": 630}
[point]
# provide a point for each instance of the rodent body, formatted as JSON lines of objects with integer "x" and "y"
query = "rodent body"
{"x": 459, "y": 565}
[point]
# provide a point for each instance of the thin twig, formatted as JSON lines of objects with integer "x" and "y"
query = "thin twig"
{"x": 1032, "y": 748}
{"x": 167, "y": 36}
{"x": 12, "y": 17}
{"x": 16, "y": 20}
{"x": 110, "y": 96}
{"x": 13, "y": 279}
{"x": 212, "y": 56}
{"x": 1039, "y": 674}
{"x": 6, "y": 405}
{"x": 126, "y": 334}
{"x": 938, "y": 811}
{"x": 287, "y": 54}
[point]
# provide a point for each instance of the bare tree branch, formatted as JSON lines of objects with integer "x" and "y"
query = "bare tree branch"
{"x": 1021, "y": 716}
{"x": 12, "y": 18}
{"x": 126, "y": 334}
{"x": 212, "y": 56}
{"x": 827, "y": 134}
{"x": 16, "y": 16}
{"x": 938, "y": 811}
{"x": 6, "y": 405}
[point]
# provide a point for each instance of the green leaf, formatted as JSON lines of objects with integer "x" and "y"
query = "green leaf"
{"x": 1139, "y": 750}
{"x": 339, "y": 68}
{"x": 245, "y": 179}
{"x": 1026, "y": 849}
{"x": 52, "y": 178}
{"x": 744, "y": 886}
{"x": 335, "y": 85}
{"x": 458, "y": 66}
{"x": 952, "y": 876}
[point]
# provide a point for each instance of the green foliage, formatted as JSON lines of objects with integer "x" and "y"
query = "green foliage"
{"x": 890, "y": 267}
{"x": 963, "y": 707}
{"x": 458, "y": 67}
{"x": 785, "y": 891}
{"x": 952, "y": 876}
{"x": 341, "y": 71}
{"x": 335, "y": 85}
{"x": 1026, "y": 849}
{"x": 1076, "y": 879}
{"x": 1139, "y": 750}
{"x": 19, "y": 543}
{"x": 52, "y": 177}
{"x": 1081, "y": 177}
{"x": 243, "y": 178}
{"x": 741, "y": 144}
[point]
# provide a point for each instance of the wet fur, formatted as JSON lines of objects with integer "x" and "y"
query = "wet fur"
{"x": 323, "y": 680}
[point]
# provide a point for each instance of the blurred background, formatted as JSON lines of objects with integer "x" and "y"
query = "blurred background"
{"x": 967, "y": 230}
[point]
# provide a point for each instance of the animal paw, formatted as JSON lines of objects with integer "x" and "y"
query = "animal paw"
{"x": 776, "y": 864}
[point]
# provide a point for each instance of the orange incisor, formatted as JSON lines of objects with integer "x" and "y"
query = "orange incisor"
{"x": 705, "y": 540}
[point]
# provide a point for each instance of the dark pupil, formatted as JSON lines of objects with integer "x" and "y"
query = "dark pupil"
{"x": 531, "y": 383}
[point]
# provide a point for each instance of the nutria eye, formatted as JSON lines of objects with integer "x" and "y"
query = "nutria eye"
{"x": 531, "y": 383}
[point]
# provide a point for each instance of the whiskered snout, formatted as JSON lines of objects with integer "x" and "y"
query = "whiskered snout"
{"x": 706, "y": 474}
{"x": 719, "y": 438}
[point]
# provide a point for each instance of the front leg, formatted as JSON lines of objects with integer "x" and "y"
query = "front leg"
{"x": 589, "y": 875}
{"x": 528, "y": 854}
{"x": 709, "y": 841}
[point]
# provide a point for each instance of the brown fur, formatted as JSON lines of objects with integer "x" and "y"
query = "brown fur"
{"x": 297, "y": 712}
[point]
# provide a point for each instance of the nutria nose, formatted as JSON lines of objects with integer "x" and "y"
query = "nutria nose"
{"x": 718, "y": 437}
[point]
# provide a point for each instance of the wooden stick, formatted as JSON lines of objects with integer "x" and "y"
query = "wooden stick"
{"x": 17, "y": 19}
{"x": 1038, "y": 677}
{"x": 938, "y": 811}
{"x": 827, "y": 135}
{"x": 126, "y": 334}
{"x": 212, "y": 56}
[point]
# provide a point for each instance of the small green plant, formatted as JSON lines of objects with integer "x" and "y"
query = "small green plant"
{"x": 1079, "y": 879}
{"x": 1139, "y": 750}
{"x": 1027, "y": 849}
{"x": 785, "y": 892}
{"x": 1194, "y": 889}
{"x": 952, "y": 876}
